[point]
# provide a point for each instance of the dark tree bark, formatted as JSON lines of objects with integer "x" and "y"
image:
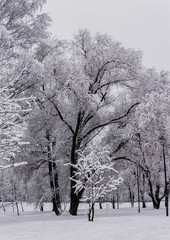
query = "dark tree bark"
{"x": 155, "y": 196}
{"x": 100, "y": 203}
{"x": 54, "y": 188}
{"x": 143, "y": 201}
{"x": 53, "y": 174}
{"x": 91, "y": 213}
{"x": 142, "y": 191}
{"x": 75, "y": 200}
{"x": 41, "y": 207}
{"x": 131, "y": 197}
{"x": 77, "y": 138}
{"x": 76, "y": 142}
{"x": 113, "y": 203}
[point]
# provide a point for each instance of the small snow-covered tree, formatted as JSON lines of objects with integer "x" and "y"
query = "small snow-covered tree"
{"x": 95, "y": 174}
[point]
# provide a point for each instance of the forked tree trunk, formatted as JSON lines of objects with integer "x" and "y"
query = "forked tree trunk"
{"x": 156, "y": 204}
{"x": 156, "y": 199}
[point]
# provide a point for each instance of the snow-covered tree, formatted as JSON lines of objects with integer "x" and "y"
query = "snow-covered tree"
{"x": 12, "y": 125}
{"x": 129, "y": 184}
{"x": 141, "y": 142}
{"x": 22, "y": 27}
{"x": 82, "y": 88}
{"x": 96, "y": 175}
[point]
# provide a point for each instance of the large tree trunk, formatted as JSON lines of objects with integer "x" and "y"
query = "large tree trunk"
{"x": 156, "y": 204}
{"x": 74, "y": 200}
{"x": 74, "y": 197}
{"x": 76, "y": 142}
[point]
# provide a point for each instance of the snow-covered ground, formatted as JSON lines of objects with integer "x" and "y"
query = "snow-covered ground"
{"x": 118, "y": 224}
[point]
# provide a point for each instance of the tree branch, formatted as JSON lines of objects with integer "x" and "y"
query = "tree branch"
{"x": 115, "y": 120}
{"x": 61, "y": 116}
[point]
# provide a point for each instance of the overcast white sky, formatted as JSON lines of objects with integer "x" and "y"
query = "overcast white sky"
{"x": 139, "y": 24}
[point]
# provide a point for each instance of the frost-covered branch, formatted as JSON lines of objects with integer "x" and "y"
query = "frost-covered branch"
{"x": 95, "y": 174}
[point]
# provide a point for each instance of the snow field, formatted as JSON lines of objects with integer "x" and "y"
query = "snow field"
{"x": 118, "y": 224}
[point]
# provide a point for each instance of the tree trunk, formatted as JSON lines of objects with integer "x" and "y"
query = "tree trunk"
{"x": 131, "y": 197}
{"x": 74, "y": 203}
{"x": 56, "y": 206}
{"x": 2, "y": 201}
{"x": 117, "y": 193}
{"x": 113, "y": 203}
{"x": 76, "y": 142}
{"x": 142, "y": 199}
{"x": 156, "y": 205}
{"x": 22, "y": 205}
{"x": 74, "y": 198}
{"x": 41, "y": 207}
{"x": 16, "y": 203}
{"x": 100, "y": 203}
{"x": 156, "y": 200}
{"x": 143, "y": 202}
{"x": 142, "y": 191}
{"x": 53, "y": 174}
{"x": 91, "y": 212}
{"x": 54, "y": 188}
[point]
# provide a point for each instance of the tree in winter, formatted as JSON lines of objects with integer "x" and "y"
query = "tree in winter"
{"x": 153, "y": 116}
{"x": 141, "y": 142}
{"x": 95, "y": 174}
{"x": 129, "y": 184}
{"x": 21, "y": 28}
{"x": 12, "y": 126}
{"x": 82, "y": 88}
